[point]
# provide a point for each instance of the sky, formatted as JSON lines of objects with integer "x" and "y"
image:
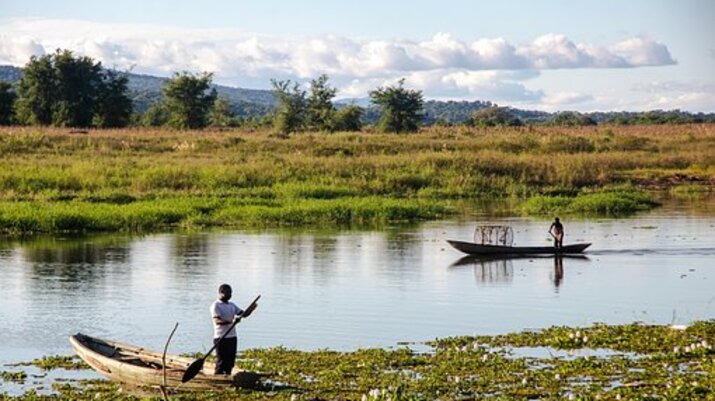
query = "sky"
{"x": 547, "y": 55}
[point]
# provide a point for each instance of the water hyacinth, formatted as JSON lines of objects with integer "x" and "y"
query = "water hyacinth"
{"x": 638, "y": 366}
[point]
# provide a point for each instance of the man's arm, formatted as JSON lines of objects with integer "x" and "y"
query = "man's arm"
{"x": 216, "y": 316}
{"x": 220, "y": 321}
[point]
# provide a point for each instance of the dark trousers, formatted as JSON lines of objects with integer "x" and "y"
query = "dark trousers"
{"x": 225, "y": 355}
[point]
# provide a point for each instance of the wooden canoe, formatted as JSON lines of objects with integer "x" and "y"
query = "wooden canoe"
{"x": 479, "y": 249}
{"x": 138, "y": 367}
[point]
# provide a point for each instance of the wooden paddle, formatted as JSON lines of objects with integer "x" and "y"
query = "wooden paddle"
{"x": 198, "y": 365}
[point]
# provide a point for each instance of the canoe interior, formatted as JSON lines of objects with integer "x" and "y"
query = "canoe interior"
{"x": 136, "y": 366}
{"x": 480, "y": 249}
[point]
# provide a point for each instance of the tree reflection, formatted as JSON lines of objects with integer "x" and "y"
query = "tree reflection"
{"x": 189, "y": 252}
{"x": 95, "y": 250}
{"x": 75, "y": 261}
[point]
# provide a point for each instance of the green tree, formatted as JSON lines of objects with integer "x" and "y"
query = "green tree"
{"x": 291, "y": 114}
{"x": 320, "y": 104}
{"x": 113, "y": 107}
{"x": 572, "y": 119}
{"x": 79, "y": 82}
{"x": 401, "y": 108}
{"x": 37, "y": 91}
{"x": 188, "y": 99}
{"x": 221, "y": 114}
{"x": 155, "y": 116}
{"x": 68, "y": 91}
{"x": 494, "y": 116}
{"x": 7, "y": 103}
{"x": 348, "y": 118}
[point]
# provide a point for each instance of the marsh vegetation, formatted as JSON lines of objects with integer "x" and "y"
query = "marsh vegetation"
{"x": 53, "y": 180}
{"x": 634, "y": 361}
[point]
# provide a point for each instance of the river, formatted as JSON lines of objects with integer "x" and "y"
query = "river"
{"x": 347, "y": 289}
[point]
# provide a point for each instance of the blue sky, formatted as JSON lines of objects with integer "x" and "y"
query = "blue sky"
{"x": 549, "y": 55}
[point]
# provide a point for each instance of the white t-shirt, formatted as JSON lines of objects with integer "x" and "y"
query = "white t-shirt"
{"x": 226, "y": 311}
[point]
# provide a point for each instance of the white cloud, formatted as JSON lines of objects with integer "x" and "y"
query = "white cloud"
{"x": 173, "y": 46}
{"x": 686, "y": 95}
{"x": 674, "y": 86}
{"x": 642, "y": 51}
{"x": 501, "y": 86}
{"x": 566, "y": 98}
{"x": 696, "y": 101}
{"x": 17, "y": 50}
{"x": 443, "y": 66}
{"x": 557, "y": 51}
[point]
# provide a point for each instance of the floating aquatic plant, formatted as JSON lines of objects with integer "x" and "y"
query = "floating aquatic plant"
{"x": 647, "y": 362}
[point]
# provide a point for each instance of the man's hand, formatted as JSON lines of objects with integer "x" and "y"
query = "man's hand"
{"x": 249, "y": 310}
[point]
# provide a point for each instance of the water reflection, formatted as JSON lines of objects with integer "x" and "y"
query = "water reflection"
{"x": 76, "y": 251}
{"x": 558, "y": 270}
{"x": 489, "y": 270}
{"x": 347, "y": 289}
{"x": 499, "y": 269}
{"x": 71, "y": 263}
{"x": 189, "y": 252}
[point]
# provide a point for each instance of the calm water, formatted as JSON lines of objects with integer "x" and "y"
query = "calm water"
{"x": 350, "y": 289}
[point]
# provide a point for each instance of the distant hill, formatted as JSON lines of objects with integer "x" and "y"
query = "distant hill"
{"x": 146, "y": 90}
{"x": 10, "y": 73}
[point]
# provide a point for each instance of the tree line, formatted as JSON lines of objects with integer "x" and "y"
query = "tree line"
{"x": 64, "y": 90}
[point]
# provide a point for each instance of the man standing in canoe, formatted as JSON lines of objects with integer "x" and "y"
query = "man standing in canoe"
{"x": 223, "y": 314}
{"x": 557, "y": 231}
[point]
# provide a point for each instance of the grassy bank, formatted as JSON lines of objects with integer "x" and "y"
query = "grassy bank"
{"x": 195, "y": 212}
{"x": 612, "y": 201}
{"x": 145, "y": 179}
{"x": 634, "y": 362}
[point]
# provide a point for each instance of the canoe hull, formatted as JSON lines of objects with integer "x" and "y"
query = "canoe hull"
{"x": 135, "y": 366}
{"x": 479, "y": 249}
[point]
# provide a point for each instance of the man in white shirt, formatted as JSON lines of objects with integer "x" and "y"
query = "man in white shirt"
{"x": 223, "y": 314}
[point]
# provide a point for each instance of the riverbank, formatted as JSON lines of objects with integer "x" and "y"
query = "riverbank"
{"x": 633, "y": 361}
{"x": 53, "y": 180}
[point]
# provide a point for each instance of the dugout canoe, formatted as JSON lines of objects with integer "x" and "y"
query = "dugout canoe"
{"x": 479, "y": 249}
{"x": 139, "y": 367}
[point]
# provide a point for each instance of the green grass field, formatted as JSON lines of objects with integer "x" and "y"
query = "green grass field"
{"x": 52, "y": 180}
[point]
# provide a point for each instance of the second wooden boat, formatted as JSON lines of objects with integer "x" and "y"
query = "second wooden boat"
{"x": 136, "y": 366}
{"x": 482, "y": 249}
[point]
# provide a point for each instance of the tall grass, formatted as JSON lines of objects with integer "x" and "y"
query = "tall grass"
{"x": 77, "y": 216}
{"x": 58, "y": 180}
{"x": 609, "y": 201}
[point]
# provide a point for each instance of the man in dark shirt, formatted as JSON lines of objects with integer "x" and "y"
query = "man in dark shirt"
{"x": 557, "y": 231}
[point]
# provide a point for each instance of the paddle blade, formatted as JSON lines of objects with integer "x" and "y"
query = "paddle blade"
{"x": 193, "y": 370}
